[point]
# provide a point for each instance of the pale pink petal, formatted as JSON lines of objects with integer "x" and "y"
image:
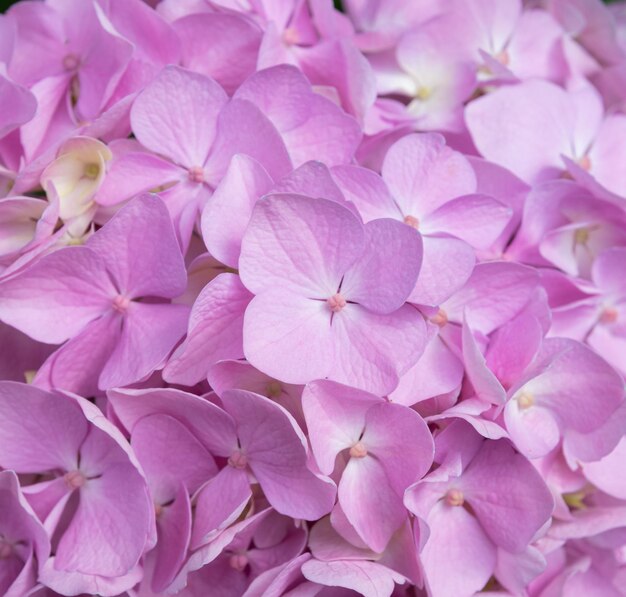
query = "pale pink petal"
{"x": 176, "y": 115}
{"x": 227, "y": 213}
{"x": 18, "y": 106}
{"x": 140, "y": 250}
{"x": 370, "y": 282}
{"x": 40, "y": 431}
{"x": 306, "y": 243}
{"x": 533, "y": 430}
{"x": 312, "y": 179}
{"x": 215, "y": 331}
{"x": 608, "y": 473}
{"x": 609, "y": 271}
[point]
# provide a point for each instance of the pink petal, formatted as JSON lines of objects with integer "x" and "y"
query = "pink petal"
{"x": 458, "y": 557}
{"x": 279, "y": 327}
{"x": 40, "y": 431}
{"x": 446, "y": 266}
{"x": 210, "y": 424}
{"x": 215, "y": 331}
{"x": 534, "y": 430}
{"x": 18, "y": 106}
{"x": 140, "y": 250}
{"x": 313, "y": 127}
{"x": 170, "y": 456}
{"x": 370, "y": 282}
{"x": 176, "y": 115}
{"x": 227, "y": 213}
{"x": 220, "y": 45}
{"x": 300, "y": 243}
{"x": 335, "y": 416}
{"x": 609, "y": 271}
{"x": 372, "y": 351}
{"x": 422, "y": 174}
{"x": 507, "y": 494}
{"x": 277, "y": 454}
{"x": 174, "y": 528}
{"x": 149, "y": 333}
{"x": 219, "y": 503}
{"x": 58, "y": 295}
{"x": 477, "y": 219}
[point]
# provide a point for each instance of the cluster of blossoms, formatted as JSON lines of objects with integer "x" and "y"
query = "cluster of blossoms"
{"x": 300, "y": 302}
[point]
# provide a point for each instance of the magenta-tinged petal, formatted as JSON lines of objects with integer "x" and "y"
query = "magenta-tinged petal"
{"x": 370, "y": 282}
{"x": 507, "y": 495}
{"x": 170, "y": 456}
{"x": 365, "y": 578}
{"x": 176, "y": 115}
{"x": 607, "y": 473}
{"x": 458, "y": 557}
{"x": 312, "y": 179}
{"x": 57, "y": 296}
{"x": 276, "y": 451}
{"x": 227, "y": 213}
{"x": 300, "y": 243}
{"x": 210, "y": 424}
{"x": 609, "y": 271}
{"x": 477, "y": 219}
{"x": 215, "y": 331}
{"x": 422, "y": 174}
{"x": 174, "y": 534}
{"x": 279, "y": 327}
{"x": 40, "y": 431}
{"x": 140, "y": 250}
{"x": 18, "y": 106}
{"x": 372, "y": 351}
{"x": 218, "y": 504}
{"x": 446, "y": 266}
{"x": 335, "y": 416}
{"x": 220, "y": 45}
{"x": 149, "y": 333}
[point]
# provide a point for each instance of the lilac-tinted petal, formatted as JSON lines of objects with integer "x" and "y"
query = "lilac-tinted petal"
{"x": 277, "y": 455}
{"x": 477, "y": 219}
{"x": 176, "y": 115}
{"x": 299, "y": 243}
{"x": 219, "y": 503}
{"x": 335, "y": 416}
{"x": 220, "y": 45}
{"x": 533, "y": 430}
{"x": 365, "y": 578}
{"x": 242, "y": 128}
{"x": 279, "y": 327}
{"x": 215, "y": 331}
{"x": 226, "y": 215}
{"x": 170, "y": 456}
{"x": 40, "y": 431}
{"x": 312, "y": 179}
{"x": 54, "y": 298}
{"x": 609, "y": 271}
{"x": 371, "y": 351}
{"x": 422, "y": 174}
{"x": 607, "y": 473}
{"x": 370, "y": 281}
{"x": 174, "y": 528}
{"x": 77, "y": 365}
{"x": 149, "y": 333}
{"x": 458, "y": 557}
{"x": 140, "y": 250}
{"x": 18, "y": 106}
{"x": 446, "y": 266}
{"x": 208, "y": 423}
{"x": 507, "y": 495}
